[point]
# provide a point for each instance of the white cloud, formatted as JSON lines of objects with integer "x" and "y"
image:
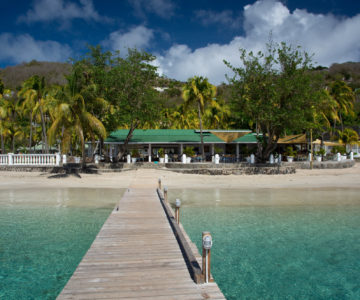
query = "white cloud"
{"x": 330, "y": 38}
{"x": 23, "y": 48}
{"x": 162, "y": 8}
{"x": 137, "y": 37}
{"x": 62, "y": 11}
{"x": 224, "y": 18}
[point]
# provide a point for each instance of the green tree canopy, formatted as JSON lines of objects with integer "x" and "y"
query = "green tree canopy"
{"x": 277, "y": 91}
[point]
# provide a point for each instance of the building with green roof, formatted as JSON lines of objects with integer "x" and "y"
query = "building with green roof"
{"x": 173, "y": 141}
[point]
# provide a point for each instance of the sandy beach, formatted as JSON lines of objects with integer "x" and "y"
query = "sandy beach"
{"x": 319, "y": 178}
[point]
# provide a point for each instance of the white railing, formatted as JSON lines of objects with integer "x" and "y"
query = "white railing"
{"x": 30, "y": 159}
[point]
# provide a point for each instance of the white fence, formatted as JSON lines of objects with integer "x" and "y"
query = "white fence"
{"x": 30, "y": 159}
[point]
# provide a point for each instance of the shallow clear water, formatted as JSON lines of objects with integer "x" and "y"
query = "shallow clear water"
{"x": 266, "y": 249}
{"x": 44, "y": 235}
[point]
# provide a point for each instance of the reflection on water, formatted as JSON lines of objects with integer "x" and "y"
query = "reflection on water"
{"x": 279, "y": 243}
{"x": 71, "y": 197}
{"x": 44, "y": 234}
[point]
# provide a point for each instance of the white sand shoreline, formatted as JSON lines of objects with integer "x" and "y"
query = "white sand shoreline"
{"x": 317, "y": 178}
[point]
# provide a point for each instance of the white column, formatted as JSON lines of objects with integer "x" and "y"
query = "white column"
{"x": 338, "y": 156}
{"x": 252, "y": 158}
{"x": 64, "y": 159}
{"x": 10, "y": 158}
{"x": 183, "y": 158}
{"x": 166, "y": 158}
{"x": 149, "y": 152}
{"x": 237, "y": 152}
{"x": 351, "y": 155}
{"x": 128, "y": 159}
{"x": 309, "y": 157}
{"x": 57, "y": 159}
{"x": 217, "y": 158}
{"x": 271, "y": 160}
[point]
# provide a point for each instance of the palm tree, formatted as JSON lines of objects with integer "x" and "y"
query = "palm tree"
{"x": 348, "y": 137}
{"x": 34, "y": 90}
{"x": 183, "y": 119}
{"x": 198, "y": 91}
{"x": 345, "y": 98}
{"x": 4, "y": 118}
{"x": 72, "y": 118}
{"x": 28, "y": 97}
{"x": 217, "y": 114}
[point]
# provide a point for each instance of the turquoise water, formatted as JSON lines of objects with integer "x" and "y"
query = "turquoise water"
{"x": 44, "y": 235}
{"x": 266, "y": 249}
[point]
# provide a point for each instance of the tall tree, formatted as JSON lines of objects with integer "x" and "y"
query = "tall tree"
{"x": 71, "y": 117}
{"x": 130, "y": 89}
{"x": 217, "y": 115}
{"x": 348, "y": 137}
{"x": 277, "y": 91}
{"x": 35, "y": 89}
{"x": 344, "y": 97}
{"x": 199, "y": 92}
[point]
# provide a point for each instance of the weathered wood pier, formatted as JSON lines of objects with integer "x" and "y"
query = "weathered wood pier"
{"x": 136, "y": 255}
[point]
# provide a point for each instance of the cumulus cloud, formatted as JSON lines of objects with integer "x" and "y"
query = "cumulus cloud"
{"x": 137, "y": 37}
{"x": 225, "y": 18}
{"x": 23, "y": 48}
{"x": 163, "y": 8}
{"x": 62, "y": 11}
{"x": 330, "y": 38}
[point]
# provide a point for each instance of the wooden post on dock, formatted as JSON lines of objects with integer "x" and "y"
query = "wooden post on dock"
{"x": 206, "y": 256}
{"x": 159, "y": 183}
{"x": 177, "y": 210}
{"x": 166, "y": 194}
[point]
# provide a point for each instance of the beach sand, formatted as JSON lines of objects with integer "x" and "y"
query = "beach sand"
{"x": 318, "y": 178}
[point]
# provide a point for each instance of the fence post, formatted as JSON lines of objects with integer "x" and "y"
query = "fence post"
{"x": 206, "y": 256}
{"x": 166, "y": 194}
{"x": 177, "y": 210}
{"x": 11, "y": 162}
{"x": 57, "y": 159}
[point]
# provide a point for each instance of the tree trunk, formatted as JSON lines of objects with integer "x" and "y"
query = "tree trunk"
{"x": 2, "y": 144}
{"x": 13, "y": 143}
{"x": 127, "y": 140}
{"x": 43, "y": 128}
{"x": 82, "y": 138}
{"x": 201, "y": 134}
{"x": 30, "y": 138}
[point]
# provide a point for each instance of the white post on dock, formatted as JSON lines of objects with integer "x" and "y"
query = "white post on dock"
{"x": 166, "y": 194}
{"x": 206, "y": 256}
{"x": 177, "y": 210}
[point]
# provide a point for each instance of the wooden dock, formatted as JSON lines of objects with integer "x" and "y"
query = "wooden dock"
{"x": 136, "y": 256}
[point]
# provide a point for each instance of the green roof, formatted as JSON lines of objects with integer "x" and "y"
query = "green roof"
{"x": 247, "y": 139}
{"x": 162, "y": 136}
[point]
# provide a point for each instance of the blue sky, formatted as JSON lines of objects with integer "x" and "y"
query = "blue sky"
{"x": 188, "y": 37}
